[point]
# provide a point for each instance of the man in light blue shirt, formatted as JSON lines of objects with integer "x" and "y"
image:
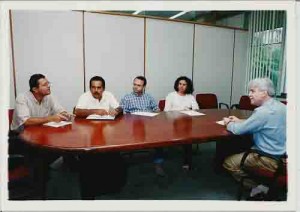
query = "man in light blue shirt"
{"x": 267, "y": 124}
{"x": 139, "y": 101}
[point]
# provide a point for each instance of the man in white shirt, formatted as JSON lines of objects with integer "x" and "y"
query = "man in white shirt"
{"x": 97, "y": 100}
{"x": 37, "y": 106}
{"x": 112, "y": 176}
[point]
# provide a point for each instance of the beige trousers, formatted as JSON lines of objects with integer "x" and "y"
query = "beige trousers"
{"x": 232, "y": 164}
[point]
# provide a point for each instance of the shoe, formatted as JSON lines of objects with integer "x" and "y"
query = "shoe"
{"x": 257, "y": 197}
{"x": 159, "y": 170}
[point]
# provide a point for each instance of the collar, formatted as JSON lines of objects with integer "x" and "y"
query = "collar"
{"x": 135, "y": 94}
{"x": 268, "y": 102}
{"x": 34, "y": 99}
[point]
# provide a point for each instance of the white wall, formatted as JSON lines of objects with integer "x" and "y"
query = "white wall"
{"x": 213, "y": 61}
{"x": 169, "y": 54}
{"x": 240, "y": 63}
{"x": 114, "y": 49}
{"x": 11, "y": 80}
{"x": 50, "y": 43}
{"x": 298, "y": 77}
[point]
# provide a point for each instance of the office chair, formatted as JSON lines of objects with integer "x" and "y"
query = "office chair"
{"x": 244, "y": 104}
{"x": 276, "y": 181}
{"x": 209, "y": 101}
{"x": 284, "y": 102}
{"x": 161, "y": 104}
{"x": 19, "y": 182}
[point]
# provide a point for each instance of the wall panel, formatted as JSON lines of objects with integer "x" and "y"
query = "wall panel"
{"x": 169, "y": 54}
{"x": 213, "y": 61}
{"x": 50, "y": 42}
{"x": 114, "y": 49}
{"x": 240, "y": 63}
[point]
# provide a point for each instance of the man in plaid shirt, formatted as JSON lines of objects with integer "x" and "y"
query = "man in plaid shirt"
{"x": 139, "y": 101}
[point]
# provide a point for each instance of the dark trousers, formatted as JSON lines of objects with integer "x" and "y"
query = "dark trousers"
{"x": 35, "y": 160}
{"x": 101, "y": 173}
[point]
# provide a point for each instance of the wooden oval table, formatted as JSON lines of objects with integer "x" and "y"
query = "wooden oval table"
{"x": 129, "y": 132}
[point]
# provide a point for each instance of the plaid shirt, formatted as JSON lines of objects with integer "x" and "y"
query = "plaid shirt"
{"x": 133, "y": 103}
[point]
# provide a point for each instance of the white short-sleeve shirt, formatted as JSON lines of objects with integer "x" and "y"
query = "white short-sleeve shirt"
{"x": 107, "y": 102}
{"x": 176, "y": 102}
{"x": 27, "y": 106}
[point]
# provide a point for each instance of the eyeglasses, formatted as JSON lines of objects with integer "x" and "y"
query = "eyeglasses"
{"x": 47, "y": 84}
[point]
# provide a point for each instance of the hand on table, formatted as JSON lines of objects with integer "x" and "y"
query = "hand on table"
{"x": 229, "y": 119}
{"x": 101, "y": 112}
{"x": 57, "y": 118}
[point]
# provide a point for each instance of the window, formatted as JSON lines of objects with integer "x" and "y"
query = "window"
{"x": 266, "y": 47}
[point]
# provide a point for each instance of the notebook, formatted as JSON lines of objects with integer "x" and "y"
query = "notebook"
{"x": 99, "y": 117}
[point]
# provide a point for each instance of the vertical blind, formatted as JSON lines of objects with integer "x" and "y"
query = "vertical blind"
{"x": 266, "y": 47}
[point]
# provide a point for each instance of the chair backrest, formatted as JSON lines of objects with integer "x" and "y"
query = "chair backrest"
{"x": 161, "y": 104}
{"x": 245, "y": 103}
{"x": 284, "y": 102}
{"x": 10, "y": 115}
{"x": 207, "y": 100}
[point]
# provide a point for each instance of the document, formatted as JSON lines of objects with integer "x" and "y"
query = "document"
{"x": 220, "y": 122}
{"x": 99, "y": 117}
{"x": 57, "y": 124}
{"x": 145, "y": 114}
{"x": 192, "y": 113}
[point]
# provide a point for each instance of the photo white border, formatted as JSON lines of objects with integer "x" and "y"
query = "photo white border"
{"x": 151, "y": 205}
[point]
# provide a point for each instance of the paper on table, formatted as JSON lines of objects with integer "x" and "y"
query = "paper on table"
{"x": 192, "y": 113}
{"x": 57, "y": 124}
{"x": 99, "y": 117}
{"x": 144, "y": 114}
{"x": 220, "y": 122}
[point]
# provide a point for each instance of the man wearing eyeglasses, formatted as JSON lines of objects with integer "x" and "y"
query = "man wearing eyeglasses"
{"x": 34, "y": 107}
{"x": 37, "y": 106}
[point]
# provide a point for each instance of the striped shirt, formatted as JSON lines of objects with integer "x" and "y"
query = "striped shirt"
{"x": 134, "y": 103}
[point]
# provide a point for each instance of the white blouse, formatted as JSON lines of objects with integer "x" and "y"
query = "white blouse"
{"x": 174, "y": 101}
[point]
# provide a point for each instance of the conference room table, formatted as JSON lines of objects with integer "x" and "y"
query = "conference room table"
{"x": 130, "y": 132}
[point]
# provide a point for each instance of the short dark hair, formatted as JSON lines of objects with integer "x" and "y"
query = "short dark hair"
{"x": 143, "y": 79}
{"x": 97, "y": 78}
{"x": 189, "y": 87}
{"x": 34, "y": 81}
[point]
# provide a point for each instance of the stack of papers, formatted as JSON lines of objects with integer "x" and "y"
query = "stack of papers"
{"x": 99, "y": 117}
{"x": 192, "y": 113}
{"x": 57, "y": 124}
{"x": 220, "y": 122}
{"x": 145, "y": 114}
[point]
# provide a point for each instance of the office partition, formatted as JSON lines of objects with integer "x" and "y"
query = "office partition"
{"x": 239, "y": 66}
{"x": 213, "y": 61}
{"x": 50, "y": 43}
{"x": 114, "y": 49}
{"x": 169, "y": 54}
{"x": 70, "y": 47}
{"x": 11, "y": 81}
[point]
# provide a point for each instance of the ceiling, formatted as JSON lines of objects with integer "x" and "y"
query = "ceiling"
{"x": 195, "y": 16}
